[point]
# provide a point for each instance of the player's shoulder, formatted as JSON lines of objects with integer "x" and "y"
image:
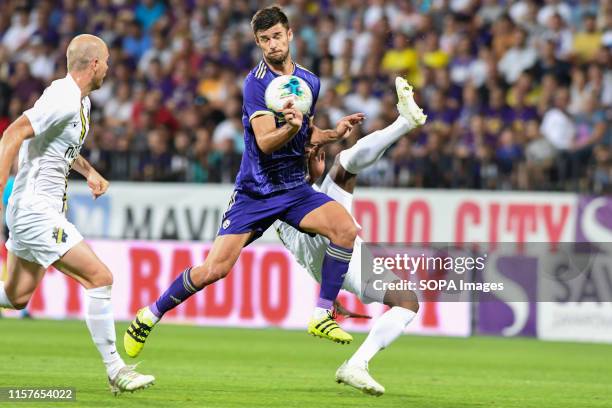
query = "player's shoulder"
{"x": 258, "y": 73}
{"x": 306, "y": 74}
{"x": 64, "y": 94}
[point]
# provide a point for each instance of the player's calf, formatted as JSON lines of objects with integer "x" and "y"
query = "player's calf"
{"x": 18, "y": 303}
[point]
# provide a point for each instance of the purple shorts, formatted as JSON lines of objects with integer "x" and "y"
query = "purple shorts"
{"x": 251, "y": 213}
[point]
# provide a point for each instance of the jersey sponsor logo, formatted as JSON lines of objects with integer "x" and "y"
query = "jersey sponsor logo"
{"x": 72, "y": 152}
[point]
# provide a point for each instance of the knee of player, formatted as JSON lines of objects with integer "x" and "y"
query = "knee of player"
{"x": 345, "y": 234}
{"x": 218, "y": 270}
{"x": 406, "y": 299}
{"x": 21, "y": 302}
{"x": 102, "y": 277}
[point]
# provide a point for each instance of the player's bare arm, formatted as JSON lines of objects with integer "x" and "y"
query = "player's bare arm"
{"x": 316, "y": 163}
{"x": 342, "y": 130}
{"x": 11, "y": 141}
{"x": 95, "y": 181}
{"x": 270, "y": 138}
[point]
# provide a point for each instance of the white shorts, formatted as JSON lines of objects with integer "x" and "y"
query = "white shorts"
{"x": 40, "y": 234}
{"x": 310, "y": 251}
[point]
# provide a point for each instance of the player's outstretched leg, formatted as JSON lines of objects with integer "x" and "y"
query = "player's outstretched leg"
{"x": 221, "y": 258}
{"x": 370, "y": 148}
{"x": 388, "y": 327}
{"x": 82, "y": 264}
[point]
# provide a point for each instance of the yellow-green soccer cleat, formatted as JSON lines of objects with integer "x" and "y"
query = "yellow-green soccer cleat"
{"x": 136, "y": 335}
{"x": 327, "y": 328}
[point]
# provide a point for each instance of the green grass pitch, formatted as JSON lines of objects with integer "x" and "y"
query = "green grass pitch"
{"x": 212, "y": 367}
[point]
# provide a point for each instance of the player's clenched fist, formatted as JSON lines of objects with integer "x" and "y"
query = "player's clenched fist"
{"x": 97, "y": 184}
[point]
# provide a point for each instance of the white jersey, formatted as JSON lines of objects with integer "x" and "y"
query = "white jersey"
{"x": 60, "y": 119}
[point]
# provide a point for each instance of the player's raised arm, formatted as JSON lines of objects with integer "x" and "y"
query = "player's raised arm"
{"x": 11, "y": 141}
{"x": 342, "y": 130}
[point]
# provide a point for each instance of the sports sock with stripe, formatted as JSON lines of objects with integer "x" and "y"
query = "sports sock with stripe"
{"x": 335, "y": 266}
{"x": 179, "y": 291}
{"x": 101, "y": 325}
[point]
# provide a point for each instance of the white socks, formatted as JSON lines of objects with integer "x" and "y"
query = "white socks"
{"x": 386, "y": 329}
{"x": 370, "y": 148}
{"x": 150, "y": 315}
{"x": 319, "y": 313}
{"x": 4, "y": 300}
{"x": 99, "y": 318}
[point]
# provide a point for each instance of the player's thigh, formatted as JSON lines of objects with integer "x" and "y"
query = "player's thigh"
{"x": 330, "y": 220}
{"x": 221, "y": 258}
{"x": 22, "y": 279}
{"x": 82, "y": 264}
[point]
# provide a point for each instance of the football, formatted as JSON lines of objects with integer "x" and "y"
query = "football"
{"x": 287, "y": 88}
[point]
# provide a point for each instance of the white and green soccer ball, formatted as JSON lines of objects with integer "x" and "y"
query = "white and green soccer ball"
{"x": 287, "y": 88}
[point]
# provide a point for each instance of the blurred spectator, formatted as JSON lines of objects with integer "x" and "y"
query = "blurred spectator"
{"x": 518, "y": 58}
{"x": 590, "y": 130}
{"x": 148, "y": 12}
{"x": 25, "y": 87}
{"x": 228, "y": 135}
{"x": 553, "y": 7}
{"x": 363, "y": 101}
{"x": 401, "y": 59}
{"x": 135, "y": 43}
{"x": 158, "y": 51}
{"x": 557, "y": 124}
{"x": 118, "y": 110}
{"x": 560, "y": 35}
{"x": 587, "y": 41}
{"x": 20, "y": 31}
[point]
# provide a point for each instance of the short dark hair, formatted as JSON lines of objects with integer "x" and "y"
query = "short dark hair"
{"x": 268, "y": 17}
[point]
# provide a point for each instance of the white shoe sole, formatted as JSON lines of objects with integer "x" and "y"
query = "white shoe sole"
{"x": 369, "y": 389}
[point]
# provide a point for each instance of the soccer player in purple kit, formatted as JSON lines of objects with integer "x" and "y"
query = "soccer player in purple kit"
{"x": 271, "y": 185}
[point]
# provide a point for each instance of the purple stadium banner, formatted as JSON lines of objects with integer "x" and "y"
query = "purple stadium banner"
{"x": 512, "y": 312}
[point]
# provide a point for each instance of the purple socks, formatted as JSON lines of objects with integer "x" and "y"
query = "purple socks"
{"x": 179, "y": 291}
{"x": 335, "y": 266}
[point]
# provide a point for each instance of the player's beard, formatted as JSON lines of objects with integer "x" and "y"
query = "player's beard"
{"x": 278, "y": 59}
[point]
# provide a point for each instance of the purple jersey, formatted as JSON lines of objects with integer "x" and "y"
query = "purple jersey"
{"x": 261, "y": 173}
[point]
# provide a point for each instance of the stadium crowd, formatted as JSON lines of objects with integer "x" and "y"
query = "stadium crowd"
{"x": 518, "y": 93}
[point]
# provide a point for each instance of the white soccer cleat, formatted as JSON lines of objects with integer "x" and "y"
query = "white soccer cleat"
{"x": 360, "y": 378}
{"x": 406, "y": 105}
{"x": 129, "y": 380}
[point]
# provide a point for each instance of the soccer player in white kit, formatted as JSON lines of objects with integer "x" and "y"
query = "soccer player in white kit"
{"x": 339, "y": 184}
{"x": 49, "y": 137}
